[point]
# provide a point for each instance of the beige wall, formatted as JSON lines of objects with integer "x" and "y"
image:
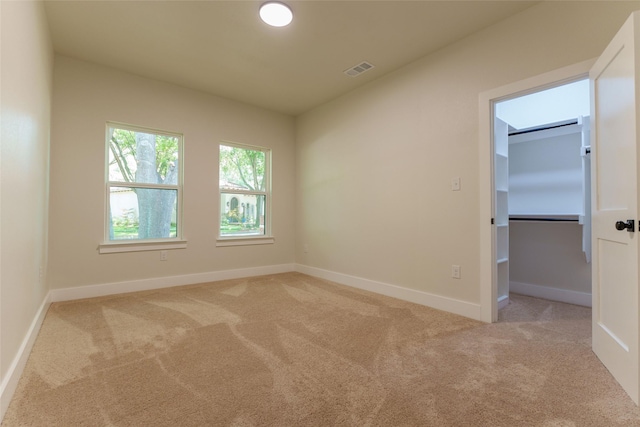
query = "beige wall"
{"x": 85, "y": 97}
{"x": 374, "y": 167}
{"x": 27, "y": 67}
{"x": 548, "y": 254}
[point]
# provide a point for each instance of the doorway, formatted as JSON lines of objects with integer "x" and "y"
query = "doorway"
{"x": 489, "y": 237}
{"x": 615, "y": 106}
{"x": 542, "y": 194}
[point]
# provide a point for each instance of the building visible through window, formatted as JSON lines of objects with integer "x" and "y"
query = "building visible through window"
{"x": 244, "y": 191}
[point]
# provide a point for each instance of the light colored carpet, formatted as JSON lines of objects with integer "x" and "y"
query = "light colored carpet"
{"x": 293, "y": 350}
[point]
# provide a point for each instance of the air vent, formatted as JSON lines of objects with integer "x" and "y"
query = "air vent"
{"x": 358, "y": 69}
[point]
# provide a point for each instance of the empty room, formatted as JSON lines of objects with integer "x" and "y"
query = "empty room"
{"x": 212, "y": 218}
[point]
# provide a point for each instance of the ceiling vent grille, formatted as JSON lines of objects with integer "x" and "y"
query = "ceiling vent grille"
{"x": 358, "y": 69}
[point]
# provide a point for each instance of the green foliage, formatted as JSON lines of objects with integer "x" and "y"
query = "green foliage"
{"x": 233, "y": 216}
{"x": 243, "y": 167}
{"x": 124, "y": 157}
{"x": 122, "y": 161}
{"x": 232, "y": 222}
{"x": 130, "y": 231}
{"x": 166, "y": 154}
{"x": 126, "y": 220}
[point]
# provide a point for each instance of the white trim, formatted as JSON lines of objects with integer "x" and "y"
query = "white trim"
{"x": 179, "y": 187}
{"x": 234, "y": 191}
{"x": 10, "y": 381}
{"x": 614, "y": 337}
{"x": 553, "y": 294}
{"x": 462, "y": 308}
{"x": 267, "y": 192}
{"x": 143, "y": 129}
{"x": 140, "y": 245}
{"x": 488, "y": 273}
{"x": 503, "y": 301}
{"x": 91, "y": 291}
{"x": 245, "y": 241}
{"x": 488, "y": 285}
{"x": 128, "y": 186}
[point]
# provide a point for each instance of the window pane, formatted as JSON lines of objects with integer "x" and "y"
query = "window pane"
{"x": 242, "y": 214}
{"x": 142, "y": 213}
{"x": 242, "y": 169}
{"x": 142, "y": 157}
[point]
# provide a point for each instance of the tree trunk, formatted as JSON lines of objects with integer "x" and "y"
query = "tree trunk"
{"x": 166, "y": 202}
{"x": 155, "y": 207}
{"x": 259, "y": 203}
{"x": 146, "y": 173}
{"x": 111, "y": 234}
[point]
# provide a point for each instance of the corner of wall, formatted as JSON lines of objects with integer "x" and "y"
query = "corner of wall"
{"x": 455, "y": 306}
{"x": 10, "y": 380}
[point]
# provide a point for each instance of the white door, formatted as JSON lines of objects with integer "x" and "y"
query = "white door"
{"x": 614, "y": 111}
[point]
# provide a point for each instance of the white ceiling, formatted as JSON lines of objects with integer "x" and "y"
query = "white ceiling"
{"x": 222, "y": 47}
{"x": 561, "y": 103}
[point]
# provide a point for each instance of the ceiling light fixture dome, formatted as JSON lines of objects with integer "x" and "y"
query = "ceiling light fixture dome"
{"x": 276, "y": 14}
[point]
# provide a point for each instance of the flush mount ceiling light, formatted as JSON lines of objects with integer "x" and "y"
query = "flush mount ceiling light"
{"x": 276, "y": 14}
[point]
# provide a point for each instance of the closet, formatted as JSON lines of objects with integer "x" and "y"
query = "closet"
{"x": 542, "y": 208}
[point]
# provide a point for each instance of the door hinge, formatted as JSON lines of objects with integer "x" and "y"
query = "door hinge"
{"x": 493, "y": 221}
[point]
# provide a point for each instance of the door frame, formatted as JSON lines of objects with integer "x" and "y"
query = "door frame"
{"x": 486, "y": 151}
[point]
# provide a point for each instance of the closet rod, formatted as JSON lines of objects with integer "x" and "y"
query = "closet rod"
{"x": 545, "y": 219}
{"x": 539, "y": 128}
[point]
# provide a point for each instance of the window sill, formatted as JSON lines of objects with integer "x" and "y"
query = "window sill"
{"x": 140, "y": 246}
{"x": 245, "y": 241}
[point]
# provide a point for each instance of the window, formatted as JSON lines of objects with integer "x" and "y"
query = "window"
{"x": 245, "y": 193}
{"x": 144, "y": 183}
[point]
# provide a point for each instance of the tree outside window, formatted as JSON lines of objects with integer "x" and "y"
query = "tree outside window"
{"x": 143, "y": 183}
{"x": 244, "y": 190}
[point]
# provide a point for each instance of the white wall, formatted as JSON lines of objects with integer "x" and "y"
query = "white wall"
{"x": 548, "y": 254}
{"x": 546, "y": 177}
{"x": 86, "y": 96}
{"x": 374, "y": 167}
{"x": 26, "y": 87}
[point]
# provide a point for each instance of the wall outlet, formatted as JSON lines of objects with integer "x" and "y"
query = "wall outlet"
{"x": 455, "y": 184}
{"x": 455, "y": 271}
{"x": 305, "y": 248}
{"x": 163, "y": 255}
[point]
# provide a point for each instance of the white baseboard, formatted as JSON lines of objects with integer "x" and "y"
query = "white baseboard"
{"x": 91, "y": 291}
{"x": 503, "y": 301}
{"x": 553, "y": 294}
{"x": 10, "y": 381}
{"x": 463, "y": 308}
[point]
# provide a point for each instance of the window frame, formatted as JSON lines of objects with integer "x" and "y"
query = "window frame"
{"x": 251, "y": 239}
{"x": 135, "y": 245}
